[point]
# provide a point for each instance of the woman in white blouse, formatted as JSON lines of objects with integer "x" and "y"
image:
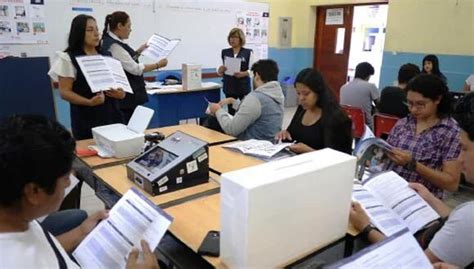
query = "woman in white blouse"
{"x": 117, "y": 28}
{"x": 88, "y": 110}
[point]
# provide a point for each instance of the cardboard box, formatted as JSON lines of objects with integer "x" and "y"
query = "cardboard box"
{"x": 192, "y": 76}
{"x": 276, "y": 212}
{"x": 124, "y": 140}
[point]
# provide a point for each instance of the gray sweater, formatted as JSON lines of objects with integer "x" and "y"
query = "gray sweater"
{"x": 260, "y": 114}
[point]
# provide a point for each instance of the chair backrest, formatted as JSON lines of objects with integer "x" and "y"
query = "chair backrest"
{"x": 383, "y": 123}
{"x": 356, "y": 114}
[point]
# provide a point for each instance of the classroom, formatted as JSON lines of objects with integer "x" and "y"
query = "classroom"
{"x": 237, "y": 134}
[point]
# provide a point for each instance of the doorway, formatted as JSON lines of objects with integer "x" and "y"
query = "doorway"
{"x": 346, "y": 35}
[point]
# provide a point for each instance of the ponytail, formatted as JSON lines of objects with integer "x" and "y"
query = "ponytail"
{"x": 108, "y": 18}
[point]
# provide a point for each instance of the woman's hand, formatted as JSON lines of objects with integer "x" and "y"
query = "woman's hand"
{"x": 149, "y": 259}
{"x": 227, "y": 101}
{"x": 115, "y": 93}
{"x": 300, "y": 148}
{"x": 358, "y": 217}
{"x": 241, "y": 74}
{"x": 98, "y": 99}
{"x": 283, "y": 135}
{"x": 142, "y": 48}
{"x": 88, "y": 225}
{"x": 221, "y": 70}
{"x": 162, "y": 63}
{"x": 400, "y": 157}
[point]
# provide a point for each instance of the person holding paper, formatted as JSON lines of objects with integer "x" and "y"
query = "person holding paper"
{"x": 453, "y": 242}
{"x": 35, "y": 174}
{"x": 260, "y": 115}
{"x": 88, "y": 110}
{"x": 427, "y": 141}
{"x": 319, "y": 121}
{"x": 117, "y": 29}
{"x": 236, "y": 83}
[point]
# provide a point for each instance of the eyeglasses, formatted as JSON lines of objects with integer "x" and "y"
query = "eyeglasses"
{"x": 417, "y": 105}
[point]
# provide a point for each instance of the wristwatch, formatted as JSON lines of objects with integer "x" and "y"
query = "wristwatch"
{"x": 365, "y": 232}
{"x": 411, "y": 166}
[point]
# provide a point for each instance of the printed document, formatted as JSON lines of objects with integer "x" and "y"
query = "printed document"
{"x": 398, "y": 251}
{"x": 159, "y": 47}
{"x": 232, "y": 64}
{"x": 133, "y": 218}
{"x": 103, "y": 73}
{"x": 392, "y": 205}
{"x": 259, "y": 148}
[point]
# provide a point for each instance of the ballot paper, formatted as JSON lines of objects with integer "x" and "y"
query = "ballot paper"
{"x": 160, "y": 47}
{"x": 103, "y": 73}
{"x": 232, "y": 65}
{"x": 259, "y": 148}
{"x": 400, "y": 250}
{"x": 392, "y": 205}
{"x": 133, "y": 218}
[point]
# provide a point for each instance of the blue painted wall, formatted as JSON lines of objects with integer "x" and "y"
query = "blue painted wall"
{"x": 455, "y": 67}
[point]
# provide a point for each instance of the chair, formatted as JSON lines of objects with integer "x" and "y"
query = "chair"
{"x": 383, "y": 123}
{"x": 356, "y": 114}
{"x": 164, "y": 75}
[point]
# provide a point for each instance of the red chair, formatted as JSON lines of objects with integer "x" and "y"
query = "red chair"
{"x": 383, "y": 123}
{"x": 356, "y": 114}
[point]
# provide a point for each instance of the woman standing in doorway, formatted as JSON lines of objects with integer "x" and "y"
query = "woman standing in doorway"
{"x": 88, "y": 109}
{"x": 431, "y": 66}
{"x": 237, "y": 85}
{"x": 117, "y": 29}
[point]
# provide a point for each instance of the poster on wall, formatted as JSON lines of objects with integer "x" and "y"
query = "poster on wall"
{"x": 22, "y": 22}
{"x": 255, "y": 27}
{"x": 335, "y": 16}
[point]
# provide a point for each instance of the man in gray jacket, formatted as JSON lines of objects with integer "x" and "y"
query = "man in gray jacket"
{"x": 260, "y": 114}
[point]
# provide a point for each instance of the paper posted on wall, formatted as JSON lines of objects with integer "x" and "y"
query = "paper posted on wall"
{"x": 103, "y": 73}
{"x": 160, "y": 47}
{"x": 372, "y": 156}
{"x": 133, "y": 218}
{"x": 400, "y": 250}
{"x": 392, "y": 205}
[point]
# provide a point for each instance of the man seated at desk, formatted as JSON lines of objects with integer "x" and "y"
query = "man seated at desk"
{"x": 260, "y": 114}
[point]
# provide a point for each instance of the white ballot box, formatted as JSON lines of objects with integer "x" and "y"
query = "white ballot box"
{"x": 121, "y": 140}
{"x": 281, "y": 210}
{"x": 192, "y": 76}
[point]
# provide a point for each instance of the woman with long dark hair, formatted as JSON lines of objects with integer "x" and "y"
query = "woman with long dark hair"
{"x": 117, "y": 29}
{"x": 427, "y": 141}
{"x": 319, "y": 121}
{"x": 88, "y": 109}
{"x": 431, "y": 66}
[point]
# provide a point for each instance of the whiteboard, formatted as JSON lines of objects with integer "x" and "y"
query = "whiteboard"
{"x": 202, "y": 26}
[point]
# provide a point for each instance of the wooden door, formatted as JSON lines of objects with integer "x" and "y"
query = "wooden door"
{"x": 331, "y": 63}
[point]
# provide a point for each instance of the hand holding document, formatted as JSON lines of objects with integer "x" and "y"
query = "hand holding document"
{"x": 398, "y": 251}
{"x": 103, "y": 73}
{"x": 132, "y": 219}
{"x": 232, "y": 65}
{"x": 159, "y": 47}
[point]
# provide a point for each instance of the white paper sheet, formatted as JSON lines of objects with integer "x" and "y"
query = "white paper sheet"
{"x": 398, "y": 251}
{"x": 133, "y": 218}
{"x": 159, "y": 47}
{"x": 232, "y": 64}
{"x": 261, "y": 148}
{"x": 103, "y": 73}
{"x": 395, "y": 193}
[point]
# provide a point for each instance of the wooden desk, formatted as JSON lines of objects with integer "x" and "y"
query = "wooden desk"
{"x": 115, "y": 178}
{"x": 210, "y": 136}
{"x": 194, "y": 219}
{"x": 222, "y": 160}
